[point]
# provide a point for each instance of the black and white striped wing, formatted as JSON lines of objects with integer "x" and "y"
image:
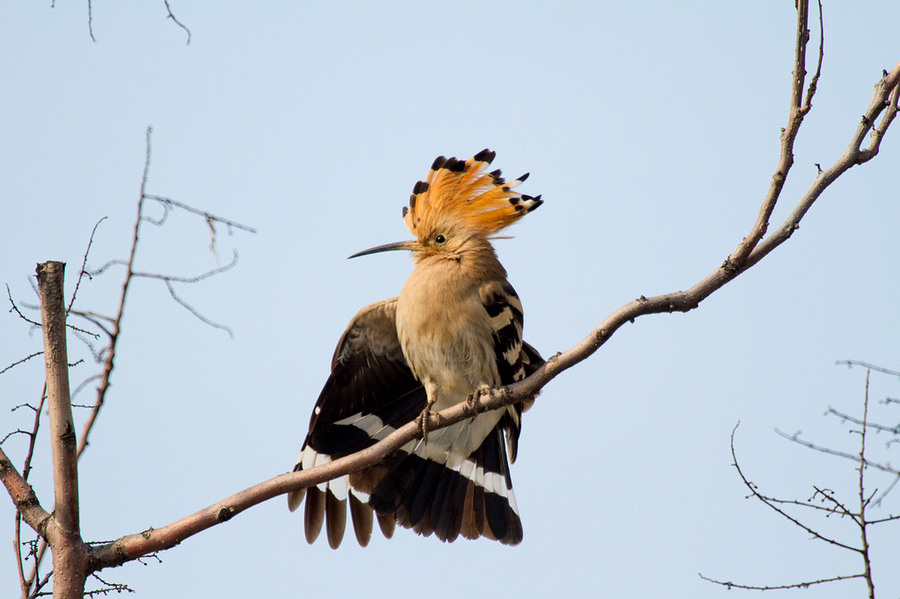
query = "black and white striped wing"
{"x": 515, "y": 358}
{"x": 370, "y": 392}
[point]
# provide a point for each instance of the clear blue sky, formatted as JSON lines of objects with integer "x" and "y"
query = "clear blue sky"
{"x": 652, "y": 131}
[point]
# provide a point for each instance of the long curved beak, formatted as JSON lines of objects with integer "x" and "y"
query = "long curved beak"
{"x": 397, "y": 245}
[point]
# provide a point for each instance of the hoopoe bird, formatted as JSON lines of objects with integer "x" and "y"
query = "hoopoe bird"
{"x": 455, "y": 328}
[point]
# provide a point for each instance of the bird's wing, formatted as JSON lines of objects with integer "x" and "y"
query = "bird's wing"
{"x": 369, "y": 394}
{"x": 515, "y": 358}
{"x": 505, "y": 311}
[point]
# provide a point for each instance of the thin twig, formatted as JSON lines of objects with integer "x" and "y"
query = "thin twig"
{"x": 866, "y": 365}
{"x": 177, "y": 22}
{"x": 206, "y": 215}
{"x": 22, "y": 361}
{"x": 755, "y": 493}
{"x": 841, "y": 454}
{"x": 15, "y": 309}
{"x": 814, "y": 82}
{"x": 26, "y": 470}
{"x": 194, "y": 279}
{"x": 863, "y": 502}
{"x": 20, "y": 564}
{"x": 884, "y": 494}
{"x": 116, "y": 587}
{"x": 82, "y": 272}
{"x": 894, "y": 430}
{"x": 193, "y": 311}
{"x": 837, "y": 505}
{"x": 91, "y": 21}
{"x": 113, "y": 331}
{"x": 106, "y": 266}
{"x": 780, "y": 587}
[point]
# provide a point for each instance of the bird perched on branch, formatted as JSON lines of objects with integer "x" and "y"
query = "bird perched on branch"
{"x": 455, "y": 329}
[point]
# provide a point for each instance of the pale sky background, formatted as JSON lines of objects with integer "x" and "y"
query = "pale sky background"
{"x": 652, "y": 131}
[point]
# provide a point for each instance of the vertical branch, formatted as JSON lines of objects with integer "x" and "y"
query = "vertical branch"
{"x": 863, "y": 502}
{"x": 69, "y": 552}
{"x": 110, "y": 360}
{"x": 26, "y": 470}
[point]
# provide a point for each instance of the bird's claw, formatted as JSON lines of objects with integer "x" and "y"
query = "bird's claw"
{"x": 422, "y": 422}
{"x": 474, "y": 398}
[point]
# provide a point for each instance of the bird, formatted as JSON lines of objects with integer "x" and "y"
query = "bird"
{"x": 455, "y": 329}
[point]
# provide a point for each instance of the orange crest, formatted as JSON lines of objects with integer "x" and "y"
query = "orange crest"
{"x": 461, "y": 193}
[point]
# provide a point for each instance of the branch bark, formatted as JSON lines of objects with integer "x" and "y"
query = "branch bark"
{"x": 22, "y": 495}
{"x": 69, "y": 551}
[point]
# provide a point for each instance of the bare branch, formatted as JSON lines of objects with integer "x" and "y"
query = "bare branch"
{"x": 867, "y": 366}
{"x": 106, "y": 266}
{"x": 177, "y": 22}
{"x": 852, "y": 156}
{"x": 767, "y": 501}
{"x": 863, "y": 501}
{"x": 69, "y": 551}
{"x": 798, "y": 110}
{"x": 884, "y": 494}
{"x": 894, "y": 430}
{"x": 195, "y": 279}
{"x": 814, "y": 82}
{"x": 841, "y": 454}
{"x": 116, "y": 323}
{"x": 168, "y": 279}
{"x": 193, "y": 311}
{"x": 84, "y": 384}
{"x": 114, "y": 328}
{"x": 833, "y": 509}
{"x": 109, "y": 587}
{"x": 23, "y": 496}
{"x": 15, "y": 309}
{"x": 24, "y": 586}
{"x": 780, "y": 587}
{"x": 167, "y": 202}
{"x": 26, "y": 467}
{"x": 91, "y": 21}
{"x": 22, "y": 361}
{"x": 82, "y": 272}
{"x": 837, "y": 506}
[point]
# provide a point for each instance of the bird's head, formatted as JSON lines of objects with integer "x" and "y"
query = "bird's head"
{"x": 459, "y": 204}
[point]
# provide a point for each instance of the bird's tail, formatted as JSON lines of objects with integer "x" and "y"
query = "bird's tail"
{"x": 469, "y": 495}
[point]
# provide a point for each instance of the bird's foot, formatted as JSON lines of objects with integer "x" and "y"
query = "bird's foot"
{"x": 474, "y": 398}
{"x": 422, "y": 421}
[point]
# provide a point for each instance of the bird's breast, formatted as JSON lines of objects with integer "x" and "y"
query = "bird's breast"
{"x": 446, "y": 335}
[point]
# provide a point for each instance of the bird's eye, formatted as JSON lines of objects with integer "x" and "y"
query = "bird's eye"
{"x": 440, "y": 239}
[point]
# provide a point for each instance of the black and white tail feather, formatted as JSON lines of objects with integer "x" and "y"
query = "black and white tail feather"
{"x": 430, "y": 487}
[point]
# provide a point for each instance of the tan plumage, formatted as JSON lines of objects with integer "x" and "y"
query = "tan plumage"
{"x": 455, "y": 328}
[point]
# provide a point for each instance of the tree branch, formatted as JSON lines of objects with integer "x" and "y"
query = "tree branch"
{"x": 841, "y": 454}
{"x": 23, "y": 496}
{"x": 779, "y": 587}
{"x": 177, "y": 22}
{"x": 767, "y": 501}
{"x": 863, "y": 502}
{"x": 69, "y": 551}
{"x": 798, "y": 110}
